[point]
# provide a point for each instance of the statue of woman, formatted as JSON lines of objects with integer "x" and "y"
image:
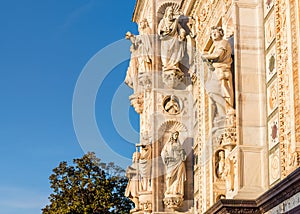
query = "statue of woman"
{"x": 173, "y": 156}
{"x": 172, "y": 37}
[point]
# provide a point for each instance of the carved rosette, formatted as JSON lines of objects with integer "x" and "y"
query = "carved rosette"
{"x": 173, "y": 201}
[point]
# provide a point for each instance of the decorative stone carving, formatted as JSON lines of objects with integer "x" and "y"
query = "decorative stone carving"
{"x": 229, "y": 173}
{"x": 273, "y": 131}
{"x": 171, "y": 105}
{"x": 172, "y": 78}
{"x": 132, "y": 188}
{"x": 173, "y": 202}
{"x": 147, "y": 207}
{"x": 137, "y": 101}
{"x": 268, "y": 4}
{"x": 274, "y": 166}
{"x": 272, "y": 97}
{"x": 271, "y": 63}
{"x": 270, "y": 30}
{"x": 219, "y": 84}
{"x": 228, "y": 138}
{"x": 145, "y": 81}
{"x": 226, "y": 135}
{"x": 171, "y": 126}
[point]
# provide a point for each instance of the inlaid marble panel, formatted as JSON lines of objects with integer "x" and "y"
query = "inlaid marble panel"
{"x": 272, "y": 97}
{"x": 268, "y": 4}
{"x": 274, "y": 166}
{"x": 271, "y": 63}
{"x": 273, "y": 131}
{"x": 269, "y": 30}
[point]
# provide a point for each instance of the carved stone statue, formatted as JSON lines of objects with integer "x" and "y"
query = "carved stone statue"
{"x": 173, "y": 156}
{"x": 145, "y": 168}
{"x": 172, "y": 105}
{"x": 219, "y": 86}
{"x": 220, "y": 164}
{"x": 132, "y": 188}
{"x": 173, "y": 47}
{"x": 172, "y": 37}
{"x": 142, "y": 47}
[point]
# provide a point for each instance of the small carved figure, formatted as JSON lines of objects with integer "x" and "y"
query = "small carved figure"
{"x": 172, "y": 37}
{"x": 145, "y": 168}
{"x": 228, "y": 174}
{"x": 172, "y": 106}
{"x": 220, "y": 87}
{"x": 132, "y": 188}
{"x": 220, "y": 164}
{"x": 173, "y": 156}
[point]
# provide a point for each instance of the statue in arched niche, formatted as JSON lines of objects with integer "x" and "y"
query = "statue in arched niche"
{"x": 219, "y": 85}
{"x": 174, "y": 156}
{"x": 220, "y": 164}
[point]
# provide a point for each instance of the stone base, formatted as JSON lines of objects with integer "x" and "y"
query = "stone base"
{"x": 172, "y": 78}
{"x": 173, "y": 201}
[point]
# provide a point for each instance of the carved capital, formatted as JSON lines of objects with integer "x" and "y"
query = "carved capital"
{"x": 173, "y": 201}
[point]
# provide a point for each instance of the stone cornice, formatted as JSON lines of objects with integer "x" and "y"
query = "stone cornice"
{"x": 233, "y": 206}
{"x": 280, "y": 192}
{"x": 272, "y": 198}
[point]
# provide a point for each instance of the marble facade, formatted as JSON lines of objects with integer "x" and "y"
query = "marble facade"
{"x": 254, "y": 145}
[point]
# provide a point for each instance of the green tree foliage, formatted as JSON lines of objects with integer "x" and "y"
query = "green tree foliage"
{"x": 88, "y": 187}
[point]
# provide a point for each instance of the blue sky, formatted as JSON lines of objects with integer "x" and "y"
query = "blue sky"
{"x": 44, "y": 47}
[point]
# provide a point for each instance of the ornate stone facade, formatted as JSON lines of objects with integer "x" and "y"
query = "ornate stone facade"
{"x": 234, "y": 146}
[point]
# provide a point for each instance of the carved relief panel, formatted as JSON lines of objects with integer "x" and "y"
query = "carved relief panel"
{"x": 274, "y": 166}
{"x": 269, "y": 30}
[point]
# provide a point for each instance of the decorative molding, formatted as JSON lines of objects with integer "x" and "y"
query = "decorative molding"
{"x": 282, "y": 73}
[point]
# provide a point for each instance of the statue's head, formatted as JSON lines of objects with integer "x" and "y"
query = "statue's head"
{"x": 216, "y": 33}
{"x": 143, "y": 24}
{"x": 175, "y": 135}
{"x": 169, "y": 12}
{"x": 221, "y": 154}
